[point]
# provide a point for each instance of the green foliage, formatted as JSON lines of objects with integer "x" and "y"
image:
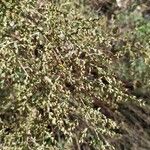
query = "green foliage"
{"x": 58, "y": 85}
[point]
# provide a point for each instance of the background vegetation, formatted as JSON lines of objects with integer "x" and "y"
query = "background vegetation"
{"x": 73, "y": 76}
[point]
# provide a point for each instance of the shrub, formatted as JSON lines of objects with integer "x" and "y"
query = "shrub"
{"x": 56, "y": 86}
